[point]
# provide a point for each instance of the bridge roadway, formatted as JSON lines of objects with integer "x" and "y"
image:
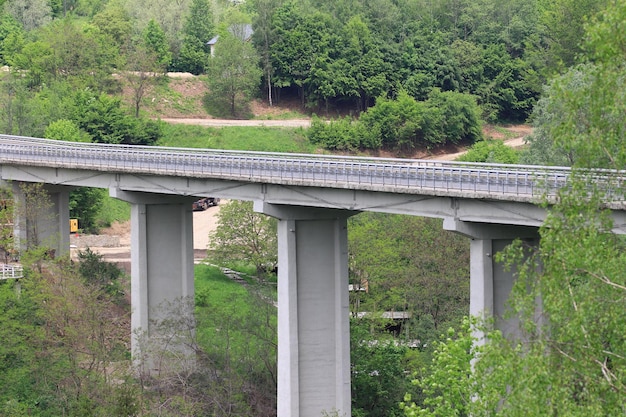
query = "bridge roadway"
{"x": 312, "y": 197}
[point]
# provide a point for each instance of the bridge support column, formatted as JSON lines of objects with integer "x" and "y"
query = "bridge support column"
{"x": 42, "y": 217}
{"x": 490, "y": 283}
{"x": 161, "y": 280}
{"x": 313, "y": 310}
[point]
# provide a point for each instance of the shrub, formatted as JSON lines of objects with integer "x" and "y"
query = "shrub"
{"x": 492, "y": 151}
{"x": 337, "y": 134}
{"x": 459, "y": 116}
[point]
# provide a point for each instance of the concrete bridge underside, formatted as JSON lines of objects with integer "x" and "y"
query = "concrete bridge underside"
{"x": 313, "y": 328}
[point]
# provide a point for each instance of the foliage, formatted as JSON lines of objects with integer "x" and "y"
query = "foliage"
{"x": 99, "y": 273}
{"x": 395, "y": 255}
{"x": 85, "y": 204}
{"x": 69, "y": 51}
{"x": 30, "y": 13}
{"x": 115, "y": 23}
{"x": 143, "y": 72}
{"x": 578, "y": 120}
{"x": 198, "y": 29}
{"x": 404, "y": 124}
{"x": 447, "y": 385}
{"x": 156, "y": 44}
{"x": 169, "y": 15}
{"x": 401, "y": 124}
{"x": 104, "y": 119}
{"x": 234, "y": 74}
{"x": 10, "y": 31}
{"x": 242, "y": 234}
{"x": 67, "y": 130}
{"x": 378, "y": 372}
{"x": 59, "y": 334}
{"x": 568, "y": 360}
{"x": 491, "y": 151}
{"x": 459, "y": 116}
{"x": 337, "y": 134}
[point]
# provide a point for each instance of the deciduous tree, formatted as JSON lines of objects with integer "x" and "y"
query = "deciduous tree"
{"x": 234, "y": 73}
{"x": 243, "y": 235}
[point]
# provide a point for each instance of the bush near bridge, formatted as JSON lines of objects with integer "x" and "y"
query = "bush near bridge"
{"x": 404, "y": 124}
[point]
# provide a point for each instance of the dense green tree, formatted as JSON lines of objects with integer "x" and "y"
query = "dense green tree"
{"x": 199, "y": 28}
{"x": 460, "y": 116}
{"x": 563, "y": 29}
{"x": 104, "y": 119}
{"x": 402, "y": 124}
{"x": 156, "y": 44}
{"x": 299, "y": 40}
{"x": 366, "y": 64}
{"x": 17, "y": 117}
{"x": 339, "y": 134}
{"x": 234, "y": 73}
{"x": 115, "y": 22}
{"x": 67, "y": 50}
{"x": 10, "y": 28}
{"x": 67, "y": 130}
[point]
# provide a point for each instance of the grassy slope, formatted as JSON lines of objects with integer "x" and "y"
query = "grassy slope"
{"x": 237, "y": 138}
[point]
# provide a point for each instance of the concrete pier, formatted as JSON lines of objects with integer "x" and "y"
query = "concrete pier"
{"x": 161, "y": 272}
{"x": 313, "y": 310}
{"x": 490, "y": 282}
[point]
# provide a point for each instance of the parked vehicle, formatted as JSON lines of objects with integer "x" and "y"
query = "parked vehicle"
{"x": 205, "y": 203}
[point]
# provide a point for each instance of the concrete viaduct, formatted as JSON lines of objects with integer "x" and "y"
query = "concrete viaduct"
{"x": 312, "y": 197}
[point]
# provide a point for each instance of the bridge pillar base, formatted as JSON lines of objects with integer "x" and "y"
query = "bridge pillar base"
{"x": 490, "y": 283}
{"x": 162, "y": 287}
{"x": 313, "y": 311}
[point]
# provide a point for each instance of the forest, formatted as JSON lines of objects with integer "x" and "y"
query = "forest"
{"x": 375, "y": 75}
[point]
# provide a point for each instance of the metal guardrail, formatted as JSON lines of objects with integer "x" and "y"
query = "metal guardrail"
{"x": 11, "y": 271}
{"x": 377, "y": 174}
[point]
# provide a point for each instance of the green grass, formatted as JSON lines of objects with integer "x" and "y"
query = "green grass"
{"x": 211, "y": 282}
{"x": 228, "y": 317}
{"x": 266, "y": 139}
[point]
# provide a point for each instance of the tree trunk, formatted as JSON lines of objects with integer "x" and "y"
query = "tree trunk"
{"x": 269, "y": 88}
